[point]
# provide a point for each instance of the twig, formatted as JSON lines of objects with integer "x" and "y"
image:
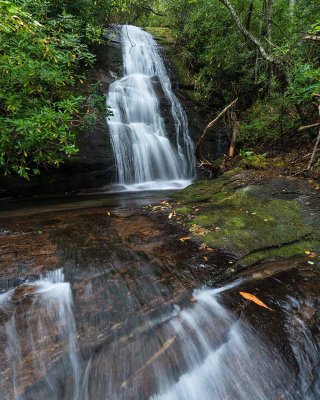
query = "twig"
{"x": 205, "y": 132}
{"x": 315, "y": 146}
{"x": 303, "y": 128}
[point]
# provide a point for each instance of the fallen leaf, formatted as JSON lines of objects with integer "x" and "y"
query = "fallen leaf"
{"x": 312, "y": 255}
{"x": 205, "y": 258}
{"x": 170, "y": 215}
{"x": 311, "y": 262}
{"x": 185, "y": 238}
{"x": 198, "y": 230}
{"x": 307, "y": 252}
{"x": 156, "y": 355}
{"x": 108, "y": 214}
{"x": 251, "y": 297}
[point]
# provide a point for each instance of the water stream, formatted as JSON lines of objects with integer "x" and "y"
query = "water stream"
{"x": 149, "y": 153}
{"x": 106, "y": 304}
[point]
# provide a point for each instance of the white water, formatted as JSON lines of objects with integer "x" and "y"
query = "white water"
{"x": 47, "y": 324}
{"x": 146, "y": 157}
{"x": 201, "y": 351}
{"x": 225, "y": 359}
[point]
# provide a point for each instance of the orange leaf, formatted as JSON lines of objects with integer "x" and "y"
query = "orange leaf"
{"x": 185, "y": 238}
{"x": 255, "y": 299}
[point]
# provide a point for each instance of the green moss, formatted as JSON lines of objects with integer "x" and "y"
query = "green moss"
{"x": 176, "y": 55}
{"x": 233, "y": 172}
{"x": 200, "y": 191}
{"x": 246, "y": 224}
{"x": 281, "y": 253}
{"x": 256, "y": 161}
{"x": 238, "y": 222}
{"x": 183, "y": 210}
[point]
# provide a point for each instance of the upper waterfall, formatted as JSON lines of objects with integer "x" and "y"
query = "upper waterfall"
{"x": 145, "y": 155}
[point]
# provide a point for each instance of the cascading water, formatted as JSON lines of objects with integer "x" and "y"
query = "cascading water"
{"x": 39, "y": 317}
{"x": 146, "y": 157}
{"x": 144, "y": 325}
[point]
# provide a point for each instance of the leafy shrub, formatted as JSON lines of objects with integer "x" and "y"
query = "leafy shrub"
{"x": 267, "y": 121}
{"x": 254, "y": 161}
{"x": 40, "y": 62}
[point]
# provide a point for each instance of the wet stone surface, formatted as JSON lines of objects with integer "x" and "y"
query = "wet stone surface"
{"x": 105, "y": 301}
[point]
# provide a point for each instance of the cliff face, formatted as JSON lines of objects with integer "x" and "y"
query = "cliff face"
{"x": 93, "y": 167}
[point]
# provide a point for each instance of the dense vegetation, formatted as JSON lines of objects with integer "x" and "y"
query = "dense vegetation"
{"x": 45, "y": 53}
{"x": 266, "y": 52}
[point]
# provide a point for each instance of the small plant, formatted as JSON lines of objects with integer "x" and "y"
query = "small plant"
{"x": 253, "y": 161}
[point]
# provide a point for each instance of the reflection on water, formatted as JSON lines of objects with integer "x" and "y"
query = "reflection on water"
{"x": 124, "y": 317}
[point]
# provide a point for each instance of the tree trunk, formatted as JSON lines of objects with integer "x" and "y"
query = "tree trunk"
{"x": 247, "y": 33}
{"x": 235, "y": 131}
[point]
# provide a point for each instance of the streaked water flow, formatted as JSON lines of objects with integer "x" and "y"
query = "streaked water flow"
{"x": 148, "y": 153}
{"x": 105, "y": 305}
{"x": 48, "y": 322}
{"x": 197, "y": 351}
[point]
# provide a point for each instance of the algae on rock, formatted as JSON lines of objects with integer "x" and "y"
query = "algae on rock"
{"x": 250, "y": 227}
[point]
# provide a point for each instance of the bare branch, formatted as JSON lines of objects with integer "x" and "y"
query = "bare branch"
{"x": 312, "y": 37}
{"x": 205, "y": 132}
{"x": 315, "y": 147}
{"x": 148, "y": 8}
{"x": 303, "y": 128}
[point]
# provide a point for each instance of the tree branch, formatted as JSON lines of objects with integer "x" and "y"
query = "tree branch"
{"x": 148, "y": 8}
{"x": 303, "y": 128}
{"x": 205, "y": 132}
{"x": 312, "y": 37}
{"x": 279, "y": 27}
{"x": 315, "y": 147}
{"x": 248, "y": 34}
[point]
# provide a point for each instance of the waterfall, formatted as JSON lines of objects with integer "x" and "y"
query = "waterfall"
{"x": 146, "y": 155}
{"x": 200, "y": 351}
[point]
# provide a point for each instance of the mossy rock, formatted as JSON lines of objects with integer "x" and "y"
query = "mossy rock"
{"x": 253, "y": 229}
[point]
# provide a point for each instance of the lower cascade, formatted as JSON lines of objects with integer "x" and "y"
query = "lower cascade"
{"x": 199, "y": 351}
{"x": 146, "y": 155}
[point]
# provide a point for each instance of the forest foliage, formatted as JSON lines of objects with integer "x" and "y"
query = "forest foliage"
{"x": 278, "y": 91}
{"x": 45, "y": 54}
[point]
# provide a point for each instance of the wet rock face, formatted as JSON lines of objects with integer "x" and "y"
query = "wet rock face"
{"x": 93, "y": 167}
{"x": 100, "y": 300}
{"x": 199, "y": 114}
